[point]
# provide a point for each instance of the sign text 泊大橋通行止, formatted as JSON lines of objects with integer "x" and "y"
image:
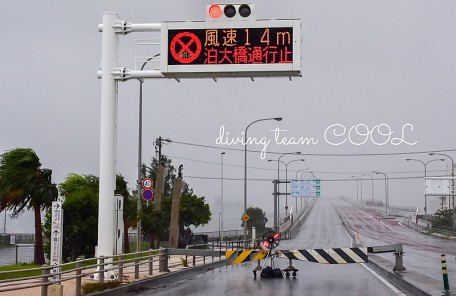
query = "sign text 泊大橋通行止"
{"x": 257, "y": 48}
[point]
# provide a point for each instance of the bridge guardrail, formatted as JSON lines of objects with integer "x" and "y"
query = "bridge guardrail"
{"x": 291, "y": 227}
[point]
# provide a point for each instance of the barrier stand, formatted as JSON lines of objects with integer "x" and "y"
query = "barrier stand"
{"x": 398, "y": 254}
{"x": 446, "y": 284}
{"x": 291, "y": 269}
{"x": 399, "y": 261}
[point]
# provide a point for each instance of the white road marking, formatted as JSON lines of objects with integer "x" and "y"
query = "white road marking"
{"x": 389, "y": 285}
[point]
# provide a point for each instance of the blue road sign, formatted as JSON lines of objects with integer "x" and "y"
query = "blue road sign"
{"x": 147, "y": 194}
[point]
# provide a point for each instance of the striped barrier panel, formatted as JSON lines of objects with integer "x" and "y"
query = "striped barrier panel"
{"x": 328, "y": 256}
{"x": 323, "y": 256}
{"x": 236, "y": 257}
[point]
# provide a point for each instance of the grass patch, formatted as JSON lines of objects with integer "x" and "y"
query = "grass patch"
{"x": 18, "y": 267}
{"x": 29, "y": 273}
{"x": 184, "y": 262}
{"x": 97, "y": 286}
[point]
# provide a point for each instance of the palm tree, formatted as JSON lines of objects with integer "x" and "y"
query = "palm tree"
{"x": 24, "y": 186}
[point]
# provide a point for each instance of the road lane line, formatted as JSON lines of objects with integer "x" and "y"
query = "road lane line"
{"x": 388, "y": 284}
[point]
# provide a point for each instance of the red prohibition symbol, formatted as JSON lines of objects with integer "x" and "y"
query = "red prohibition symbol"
{"x": 189, "y": 47}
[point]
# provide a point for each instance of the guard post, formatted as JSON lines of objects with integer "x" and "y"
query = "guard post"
{"x": 446, "y": 284}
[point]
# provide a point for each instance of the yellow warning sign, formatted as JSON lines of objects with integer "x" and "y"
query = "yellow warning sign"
{"x": 236, "y": 257}
{"x": 245, "y": 217}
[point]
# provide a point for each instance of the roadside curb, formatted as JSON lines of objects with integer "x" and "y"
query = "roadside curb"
{"x": 145, "y": 284}
{"x": 411, "y": 281}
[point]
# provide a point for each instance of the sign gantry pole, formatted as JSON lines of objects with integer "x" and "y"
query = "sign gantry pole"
{"x": 111, "y": 73}
{"x": 109, "y": 61}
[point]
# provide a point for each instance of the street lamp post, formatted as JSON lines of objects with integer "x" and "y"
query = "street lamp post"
{"x": 425, "y": 175}
{"x": 277, "y": 214}
{"x": 452, "y": 183}
{"x": 4, "y": 224}
{"x": 139, "y": 201}
{"x": 372, "y": 187}
{"x": 301, "y": 170}
{"x": 221, "y": 201}
{"x": 305, "y": 175}
{"x": 357, "y": 187}
{"x": 245, "y": 167}
{"x": 386, "y": 191}
{"x": 286, "y": 186}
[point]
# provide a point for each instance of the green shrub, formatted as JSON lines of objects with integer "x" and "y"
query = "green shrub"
{"x": 97, "y": 286}
{"x": 184, "y": 262}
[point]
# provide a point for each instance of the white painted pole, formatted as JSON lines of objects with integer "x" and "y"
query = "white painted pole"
{"x": 253, "y": 236}
{"x": 109, "y": 61}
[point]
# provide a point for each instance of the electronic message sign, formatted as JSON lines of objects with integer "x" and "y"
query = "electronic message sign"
{"x": 231, "y": 49}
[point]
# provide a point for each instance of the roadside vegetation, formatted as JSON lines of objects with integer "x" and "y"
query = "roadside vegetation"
{"x": 25, "y": 185}
{"x": 443, "y": 218}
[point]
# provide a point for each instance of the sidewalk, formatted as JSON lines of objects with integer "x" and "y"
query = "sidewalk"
{"x": 416, "y": 283}
{"x": 69, "y": 286}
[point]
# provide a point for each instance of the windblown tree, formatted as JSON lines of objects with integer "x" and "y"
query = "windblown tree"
{"x": 24, "y": 185}
{"x": 80, "y": 219}
{"x": 257, "y": 219}
{"x": 193, "y": 209}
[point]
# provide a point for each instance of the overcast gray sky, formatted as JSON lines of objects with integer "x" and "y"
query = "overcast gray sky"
{"x": 363, "y": 62}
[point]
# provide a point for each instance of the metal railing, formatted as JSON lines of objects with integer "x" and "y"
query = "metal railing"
{"x": 112, "y": 267}
{"x": 17, "y": 238}
{"x": 16, "y": 254}
{"x": 426, "y": 227}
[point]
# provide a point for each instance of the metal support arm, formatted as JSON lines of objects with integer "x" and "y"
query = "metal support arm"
{"x": 124, "y": 27}
{"x": 124, "y": 74}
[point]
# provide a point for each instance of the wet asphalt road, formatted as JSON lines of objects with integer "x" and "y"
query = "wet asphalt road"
{"x": 322, "y": 229}
{"x": 421, "y": 252}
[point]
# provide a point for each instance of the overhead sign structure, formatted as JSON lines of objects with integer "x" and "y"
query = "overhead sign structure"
{"x": 440, "y": 186}
{"x": 56, "y": 239}
{"x": 232, "y": 45}
{"x": 231, "y": 48}
{"x": 306, "y": 188}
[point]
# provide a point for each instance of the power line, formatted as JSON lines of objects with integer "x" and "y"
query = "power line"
{"x": 294, "y": 171}
{"x": 317, "y": 154}
{"x": 224, "y": 164}
{"x": 322, "y": 180}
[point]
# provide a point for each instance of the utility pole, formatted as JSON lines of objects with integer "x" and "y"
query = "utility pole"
{"x": 158, "y": 146}
{"x": 159, "y": 182}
